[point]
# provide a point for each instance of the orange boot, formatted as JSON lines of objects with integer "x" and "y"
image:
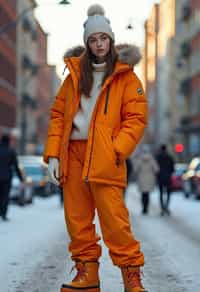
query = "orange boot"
{"x": 86, "y": 279}
{"x": 132, "y": 279}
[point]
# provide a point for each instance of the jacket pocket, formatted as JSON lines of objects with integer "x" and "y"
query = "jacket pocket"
{"x": 105, "y": 164}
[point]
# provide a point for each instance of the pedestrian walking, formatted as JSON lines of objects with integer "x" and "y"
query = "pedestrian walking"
{"x": 8, "y": 162}
{"x": 166, "y": 165}
{"x": 97, "y": 120}
{"x": 146, "y": 169}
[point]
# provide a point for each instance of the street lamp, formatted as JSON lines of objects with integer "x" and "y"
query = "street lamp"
{"x": 129, "y": 26}
{"x": 64, "y": 2}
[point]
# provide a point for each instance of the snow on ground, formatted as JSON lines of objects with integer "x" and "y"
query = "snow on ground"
{"x": 171, "y": 244}
{"x": 34, "y": 253}
{"x": 25, "y": 241}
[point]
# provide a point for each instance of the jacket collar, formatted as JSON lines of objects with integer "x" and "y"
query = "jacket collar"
{"x": 128, "y": 57}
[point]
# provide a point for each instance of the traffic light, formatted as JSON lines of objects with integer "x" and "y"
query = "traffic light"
{"x": 179, "y": 148}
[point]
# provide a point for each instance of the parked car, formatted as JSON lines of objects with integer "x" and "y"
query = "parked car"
{"x": 36, "y": 170}
{"x": 176, "y": 179}
{"x": 196, "y": 182}
{"x": 31, "y": 159}
{"x": 191, "y": 179}
{"x": 21, "y": 193}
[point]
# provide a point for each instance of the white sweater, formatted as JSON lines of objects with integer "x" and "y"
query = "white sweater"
{"x": 83, "y": 116}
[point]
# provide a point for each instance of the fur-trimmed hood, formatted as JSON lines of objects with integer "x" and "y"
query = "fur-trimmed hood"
{"x": 127, "y": 54}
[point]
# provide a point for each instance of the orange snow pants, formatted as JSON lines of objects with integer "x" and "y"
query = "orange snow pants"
{"x": 80, "y": 201}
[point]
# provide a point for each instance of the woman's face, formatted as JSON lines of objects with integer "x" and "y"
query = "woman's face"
{"x": 99, "y": 44}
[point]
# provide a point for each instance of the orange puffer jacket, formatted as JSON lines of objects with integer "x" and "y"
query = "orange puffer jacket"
{"x": 117, "y": 123}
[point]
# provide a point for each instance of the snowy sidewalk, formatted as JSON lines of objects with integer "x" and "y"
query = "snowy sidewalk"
{"x": 170, "y": 244}
{"x": 27, "y": 241}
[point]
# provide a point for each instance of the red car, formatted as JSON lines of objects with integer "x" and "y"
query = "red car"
{"x": 176, "y": 179}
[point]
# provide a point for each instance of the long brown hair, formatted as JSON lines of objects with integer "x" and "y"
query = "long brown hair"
{"x": 86, "y": 76}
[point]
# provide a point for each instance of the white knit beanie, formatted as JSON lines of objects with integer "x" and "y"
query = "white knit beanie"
{"x": 97, "y": 22}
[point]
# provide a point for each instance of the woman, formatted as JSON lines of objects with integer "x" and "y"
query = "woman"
{"x": 146, "y": 169}
{"x": 97, "y": 119}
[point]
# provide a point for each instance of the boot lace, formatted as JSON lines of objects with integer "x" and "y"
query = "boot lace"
{"x": 134, "y": 278}
{"x": 80, "y": 271}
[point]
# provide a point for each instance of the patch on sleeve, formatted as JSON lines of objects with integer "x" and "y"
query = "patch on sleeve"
{"x": 139, "y": 91}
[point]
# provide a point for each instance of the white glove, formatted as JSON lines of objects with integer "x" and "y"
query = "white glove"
{"x": 53, "y": 170}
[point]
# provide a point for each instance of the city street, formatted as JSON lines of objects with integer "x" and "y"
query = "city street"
{"x": 34, "y": 255}
{"x": 84, "y": 94}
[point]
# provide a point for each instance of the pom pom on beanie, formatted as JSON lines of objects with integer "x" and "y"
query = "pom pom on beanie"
{"x": 95, "y": 9}
{"x": 97, "y": 22}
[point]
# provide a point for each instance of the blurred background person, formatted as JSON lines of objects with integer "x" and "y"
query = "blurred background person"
{"x": 166, "y": 165}
{"x": 146, "y": 169}
{"x": 8, "y": 163}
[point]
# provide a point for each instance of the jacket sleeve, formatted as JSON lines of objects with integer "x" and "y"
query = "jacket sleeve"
{"x": 56, "y": 124}
{"x": 134, "y": 118}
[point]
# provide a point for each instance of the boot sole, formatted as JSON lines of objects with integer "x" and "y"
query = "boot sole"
{"x": 66, "y": 288}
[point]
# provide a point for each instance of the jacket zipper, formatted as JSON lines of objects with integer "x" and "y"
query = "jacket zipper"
{"x": 86, "y": 178}
{"x": 105, "y": 111}
{"x": 107, "y": 99}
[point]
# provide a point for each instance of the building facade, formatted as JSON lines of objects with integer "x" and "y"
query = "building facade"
{"x": 166, "y": 32}
{"x": 172, "y": 74}
{"x": 47, "y": 85}
{"x": 161, "y": 48}
{"x": 8, "y": 95}
{"x": 26, "y": 74}
{"x": 188, "y": 72}
{"x": 150, "y": 71}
